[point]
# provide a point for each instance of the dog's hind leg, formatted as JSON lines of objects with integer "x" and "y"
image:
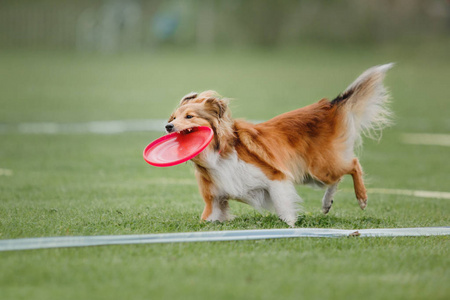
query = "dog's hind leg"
{"x": 358, "y": 183}
{"x": 327, "y": 200}
{"x": 285, "y": 201}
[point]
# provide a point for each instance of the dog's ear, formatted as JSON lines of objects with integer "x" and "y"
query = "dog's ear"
{"x": 188, "y": 97}
{"x": 217, "y": 106}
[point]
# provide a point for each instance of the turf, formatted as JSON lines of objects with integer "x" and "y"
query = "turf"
{"x": 88, "y": 184}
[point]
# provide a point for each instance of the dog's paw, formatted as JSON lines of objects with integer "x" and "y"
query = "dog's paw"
{"x": 222, "y": 217}
{"x": 362, "y": 203}
{"x": 290, "y": 222}
{"x": 326, "y": 209}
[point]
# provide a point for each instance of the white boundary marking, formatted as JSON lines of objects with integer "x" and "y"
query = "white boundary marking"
{"x": 212, "y": 236}
{"x": 6, "y": 172}
{"x": 157, "y": 125}
{"x": 429, "y": 139}
{"x": 414, "y": 193}
{"x": 114, "y": 127}
{"x": 97, "y": 127}
{"x": 403, "y": 192}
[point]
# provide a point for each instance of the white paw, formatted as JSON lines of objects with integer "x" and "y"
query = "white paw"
{"x": 362, "y": 203}
{"x": 326, "y": 209}
{"x": 220, "y": 217}
{"x": 291, "y": 222}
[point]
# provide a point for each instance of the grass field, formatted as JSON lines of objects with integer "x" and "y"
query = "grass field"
{"x": 91, "y": 184}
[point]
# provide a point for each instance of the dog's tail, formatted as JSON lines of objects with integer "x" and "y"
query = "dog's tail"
{"x": 365, "y": 104}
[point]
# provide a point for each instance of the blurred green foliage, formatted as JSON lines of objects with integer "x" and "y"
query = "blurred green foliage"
{"x": 114, "y": 25}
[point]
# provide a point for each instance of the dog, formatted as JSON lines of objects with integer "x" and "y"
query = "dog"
{"x": 259, "y": 164}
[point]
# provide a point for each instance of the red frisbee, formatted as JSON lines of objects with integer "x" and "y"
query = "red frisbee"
{"x": 176, "y": 148}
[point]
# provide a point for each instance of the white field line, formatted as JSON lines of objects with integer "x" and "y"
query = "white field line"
{"x": 172, "y": 181}
{"x": 403, "y": 192}
{"x": 98, "y": 127}
{"x": 414, "y": 193}
{"x": 6, "y": 172}
{"x": 430, "y": 139}
{"x": 157, "y": 125}
{"x": 120, "y": 126}
{"x": 214, "y": 236}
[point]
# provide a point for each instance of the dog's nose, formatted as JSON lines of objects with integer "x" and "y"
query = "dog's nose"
{"x": 169, "y": 127}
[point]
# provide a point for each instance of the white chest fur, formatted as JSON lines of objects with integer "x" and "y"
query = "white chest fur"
{"x": 237, "y": 179}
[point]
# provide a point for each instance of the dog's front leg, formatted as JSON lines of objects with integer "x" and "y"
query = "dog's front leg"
{"x": 285, "y": 201}
{"x": 205, "y": 187}
{"x": 327, "y": 199}
{"x": 220, "y": 210}
{"x": 208, "y": 208}
{"x": 216, "y": 207}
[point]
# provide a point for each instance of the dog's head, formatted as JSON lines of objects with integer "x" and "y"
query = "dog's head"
{"x": 205, "y": 109}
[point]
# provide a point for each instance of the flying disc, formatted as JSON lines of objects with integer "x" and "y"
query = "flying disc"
{"x": 178, "y": 147}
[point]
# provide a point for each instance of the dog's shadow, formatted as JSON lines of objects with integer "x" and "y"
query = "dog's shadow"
{"x": 320, "y": 220}
{"x": 266, "y": 221}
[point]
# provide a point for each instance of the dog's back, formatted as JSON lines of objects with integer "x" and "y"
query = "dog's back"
{"x": 260, "y": 163}
{"x": 316, "y": 143}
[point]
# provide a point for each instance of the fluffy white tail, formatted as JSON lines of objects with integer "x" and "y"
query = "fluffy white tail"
{"x": 365, "y": 102}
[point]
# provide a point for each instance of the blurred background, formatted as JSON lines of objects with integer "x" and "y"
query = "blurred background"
{"x": 99, "y": 60}
{"x": 108, "y": 26}
{"x": 117, "y": 66}
{"x": 78, "y": 61}
{"x": 83, "y": 60}
{"x": 85, "y": 85}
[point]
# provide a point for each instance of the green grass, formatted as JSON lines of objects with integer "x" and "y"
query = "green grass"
{"x": 86, "y": 184}
{"x": 274, "y": 269}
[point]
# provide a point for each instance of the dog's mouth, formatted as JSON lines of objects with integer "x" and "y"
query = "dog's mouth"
{"x": 188, "y": 130}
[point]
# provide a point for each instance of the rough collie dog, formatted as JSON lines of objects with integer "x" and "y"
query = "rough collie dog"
{"x": 259, "y": 164}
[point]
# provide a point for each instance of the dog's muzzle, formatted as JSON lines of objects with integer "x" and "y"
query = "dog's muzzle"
{"x": 170, "y": 127}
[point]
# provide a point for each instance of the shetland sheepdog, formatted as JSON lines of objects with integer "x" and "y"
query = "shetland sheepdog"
{"x": 259, "y": 164}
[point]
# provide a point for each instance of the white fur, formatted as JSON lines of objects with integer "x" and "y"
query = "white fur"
{"x": 368, "y": 112}
{"x": 327, "y": 199}
{"x": 220, "y": 211}
{"x": 236, "y": 179}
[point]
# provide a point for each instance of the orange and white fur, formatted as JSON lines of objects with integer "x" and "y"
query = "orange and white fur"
{"x": 259, "y": 164}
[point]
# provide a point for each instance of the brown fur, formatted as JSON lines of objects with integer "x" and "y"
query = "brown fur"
{"x": 306, "y": 141}
{"x": 312, "y": 144}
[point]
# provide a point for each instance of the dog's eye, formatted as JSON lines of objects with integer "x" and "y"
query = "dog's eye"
{"x": 189, "y": 116}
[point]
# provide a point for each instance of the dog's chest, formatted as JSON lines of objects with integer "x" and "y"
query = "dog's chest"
{"x": 235, "y": 178}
